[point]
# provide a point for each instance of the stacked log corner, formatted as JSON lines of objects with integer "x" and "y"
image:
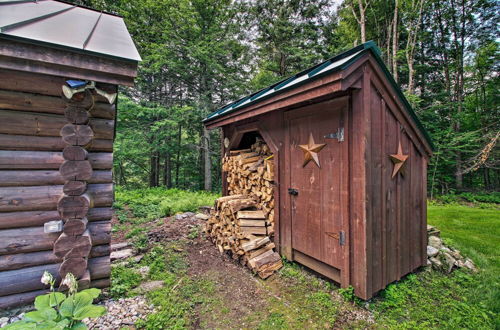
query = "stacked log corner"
{"x": 48, "y": 177}
{"x": 75, "y": 242}
{"x": 242, "y": 223}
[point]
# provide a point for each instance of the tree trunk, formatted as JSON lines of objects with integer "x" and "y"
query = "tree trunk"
{"x": 395, "y": 41}
{"x": 167, "y": 171}
{"x": 178, "y": 157}
{"x": 207, "y": 163}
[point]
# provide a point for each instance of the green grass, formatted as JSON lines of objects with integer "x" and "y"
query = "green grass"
{"x": 461, "y": 300}
{"x": 153, "y": 203}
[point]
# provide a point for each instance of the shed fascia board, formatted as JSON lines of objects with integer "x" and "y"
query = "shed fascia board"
{"x": 343, "y": 60}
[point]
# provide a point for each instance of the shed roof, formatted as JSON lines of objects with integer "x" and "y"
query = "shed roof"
{"x": 62, "y": 25}
{"x": 336, "y": 63}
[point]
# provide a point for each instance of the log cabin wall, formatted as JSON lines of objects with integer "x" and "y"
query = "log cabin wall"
{"x": 32, "y": 114}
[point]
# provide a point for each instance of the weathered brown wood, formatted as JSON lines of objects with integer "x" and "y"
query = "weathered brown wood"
{"x": 101, "y": 283}
{"x": 33, "y": 239}
{"x": 28, "y": 279}
{"x": 73, "y": 227}
{"x": 259, "y": 214}
{"x": 76, "y": 266}
{"x": 59, "y": 62}
{"x": 76, "y": 170}
{"x": 74, "y": 206}
{"x": 74, "y": 188}
{"x": 46, "y": 143}
{"x": 41, "y": 178}
{"x": 48, "y": 104}
{"x": 77, "y": 135}
{"x": 75, "y": 153}
{"x": 76, "y": 114}
{"x": 32, "y": 123}
{"x": 84, "y": 281}
{"x": 37, "y": 198}
{"x": 30, "y": 259}
{"x": 20, "y": 299}
{"x": 100, "y": 267}
{"x": 41, "y": 160}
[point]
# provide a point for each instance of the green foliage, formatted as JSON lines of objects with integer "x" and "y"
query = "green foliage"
{"x": 273, "y": 321}
{"x": 478, "y": 197}
{"x": 123, "y": 280}
{"x": 157, "y": 202}
{"x": 57, "y": 310}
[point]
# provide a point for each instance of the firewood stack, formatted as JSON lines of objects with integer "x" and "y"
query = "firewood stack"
{"x": 243, "y": 222}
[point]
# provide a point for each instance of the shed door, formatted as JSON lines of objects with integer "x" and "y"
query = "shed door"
{"x": 319, "y": 196}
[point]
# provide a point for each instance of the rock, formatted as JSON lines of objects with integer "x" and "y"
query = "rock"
{"x": 4, "y": 321}
{"x": 150, "y": 286}
{"x": 432, "y": 251}
{"x": 179, "y": 217}
{"x": 432, "y": 231}
{"x": 119, "y": 246}
{"x": 121, "y": 254}
{"x": 435, "y": 242}
{"x": 188, "y": 214}
{"x": 445, "y": 249}
{"x": 201, "y": 216}
{"x": 436, "y": 263}
{"x": 448, "y": 262}
{"x": 144, "y": 271}
{"x": 470, "y": 265}
{"x": 138, "y": 258}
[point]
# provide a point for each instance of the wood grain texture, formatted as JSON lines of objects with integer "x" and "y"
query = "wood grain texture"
{"x": 42, "y": 160}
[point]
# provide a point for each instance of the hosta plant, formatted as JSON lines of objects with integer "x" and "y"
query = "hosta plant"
{"x": 57, "y": 310}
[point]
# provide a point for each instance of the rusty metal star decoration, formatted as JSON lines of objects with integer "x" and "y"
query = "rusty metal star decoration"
{"x": 399, "y": 161}
{"x": 311, "y": 150}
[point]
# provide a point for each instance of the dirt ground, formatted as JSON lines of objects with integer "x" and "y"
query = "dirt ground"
{"x": 243, "y": 300}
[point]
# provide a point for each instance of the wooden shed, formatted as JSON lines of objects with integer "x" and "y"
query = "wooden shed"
{"x": 60, "y": 66}
{"x": 350, "y": 159}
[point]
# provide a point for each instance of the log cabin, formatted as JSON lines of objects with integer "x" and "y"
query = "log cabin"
{"x": 350, "y": 166}
{"x": 60, "y": 67}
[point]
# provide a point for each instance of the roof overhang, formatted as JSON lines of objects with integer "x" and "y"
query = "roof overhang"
{"x": 334, "y": 76}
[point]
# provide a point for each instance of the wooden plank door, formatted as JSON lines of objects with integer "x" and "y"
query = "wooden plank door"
{"x": 319, "y": 196}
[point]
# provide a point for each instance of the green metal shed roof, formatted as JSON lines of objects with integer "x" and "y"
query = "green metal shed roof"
{"x": 336, "y": 63}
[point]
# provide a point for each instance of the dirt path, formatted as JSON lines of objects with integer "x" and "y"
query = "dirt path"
{"x": 293, "y": 298}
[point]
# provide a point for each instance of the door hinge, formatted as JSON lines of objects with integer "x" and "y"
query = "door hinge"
{"x": 340, "y": 236}
{"x": 339, "y": 135}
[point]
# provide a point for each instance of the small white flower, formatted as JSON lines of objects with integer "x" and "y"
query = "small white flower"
{"x": 47, "y": 278}
{"x": 70, "y": 282}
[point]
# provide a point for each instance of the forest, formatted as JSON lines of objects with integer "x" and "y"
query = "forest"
{"x": 198, "y": 55}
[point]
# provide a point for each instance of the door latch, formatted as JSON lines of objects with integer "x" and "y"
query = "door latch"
{"x": 339, "y": 135}
{"x": 340, "y": 236}
{"x": 293, "y": 192}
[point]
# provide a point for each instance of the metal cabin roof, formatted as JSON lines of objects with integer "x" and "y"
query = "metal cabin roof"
{"x": 63, "y": 25}
{"x": 336, "y": 63}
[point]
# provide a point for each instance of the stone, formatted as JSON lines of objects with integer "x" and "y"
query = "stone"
{"x": 470, "y": 265}
{"x": 121, "y": 254}
{"x": 432, "y": 231}
{"x": 119, "y": 246}
{"x": 448, "y": 262}
{"x": 4, "y": 321}
{"x": 436, "y": 263}
{"x": 201, "y": 216}
{"x": 188, "y": 214}
{"x": 179, "y": 217}
{"x": 432, "y": 251}
{"x": 150, "y": 286}
{"x": 435, "y": 242}
{"x": 144, "y": 271}
{"x": 138, "y": 258}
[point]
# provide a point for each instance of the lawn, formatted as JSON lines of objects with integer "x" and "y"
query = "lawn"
{"x": 204, "y": 290}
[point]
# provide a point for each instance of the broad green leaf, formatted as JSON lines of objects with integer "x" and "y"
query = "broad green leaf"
{"x": 56, "y": 298}
{"x": 42, "y": 302}
{"x": 67, "y": 307}
{"x": 82, "y": 299}
{"x": 35, "y": 316}
{"x": 49, "y": 325}
{"x": 93, "y": 292}
{"x": 89, "y": 311}
{"x": 79, "y": 326}
{"x": 20, "y": 325}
